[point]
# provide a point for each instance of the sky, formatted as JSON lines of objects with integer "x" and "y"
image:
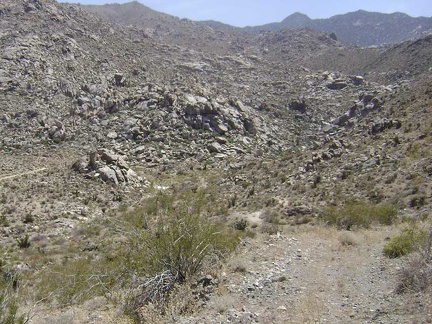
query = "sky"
{"x": 258, "y": 12}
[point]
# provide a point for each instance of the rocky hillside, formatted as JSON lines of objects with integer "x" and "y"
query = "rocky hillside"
{"x": 360, "y": 28}
{"x": 170, "y": 29}
{"x": 406, "y": 60}
{"x": 261, "y": 132}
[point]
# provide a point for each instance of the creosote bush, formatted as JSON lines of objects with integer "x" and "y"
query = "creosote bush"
{"x": 145, "y": 253}
{"x": 409, "y": 240}
{"x": 175, "y": 246}
{"x": 359, "y": 214}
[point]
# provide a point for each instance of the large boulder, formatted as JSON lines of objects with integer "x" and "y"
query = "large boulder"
{"x": 108, "y": 175}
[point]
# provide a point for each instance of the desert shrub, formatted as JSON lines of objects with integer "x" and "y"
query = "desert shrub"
{"x": 270, "y": 216}
{"x": 174, "y": 251}
{"x": 9, "y": 309}
{"x": 182, "y": 245}
{"x": 417, "y": 201}
{"x": 3, "y": 220}
{"x": 416, "y": 275}
{"x": 28, "y": 219}
{"x": 240, "y": 224}
{"x": 145, "y": 252}
{"x": 384, "y": 213}
{"x": 76, "y": 280}
{"x": 23, "y": 242}
{"x": 170, "y": 239}
{"x": 404, "y": 243}
{"x": 8, "y": 297}
{"x": 347, "y": 239}
{"x": 359, "y": 214}
{"x": 173, "y": 244}
{"x": 270, "y": 228}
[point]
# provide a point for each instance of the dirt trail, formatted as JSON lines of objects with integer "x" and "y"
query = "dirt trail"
{"x": 22, "y": 174}
{"x": 318, "y": 276}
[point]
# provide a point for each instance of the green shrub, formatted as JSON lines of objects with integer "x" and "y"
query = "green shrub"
{"x": 181, "y": 245}
{"x": 75, "y": 281}
{"x": 359, "y": 214}
{"x": 173, "y": 245}
{"x": 9, "y": 309}
{"x": 384, "y": 214}
{"x": 406, "y": 242}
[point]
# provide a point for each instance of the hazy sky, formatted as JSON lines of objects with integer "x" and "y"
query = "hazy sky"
{"x": 257, "y": 12}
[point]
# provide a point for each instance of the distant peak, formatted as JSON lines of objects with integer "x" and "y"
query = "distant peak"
{"x": 297, "y": 16}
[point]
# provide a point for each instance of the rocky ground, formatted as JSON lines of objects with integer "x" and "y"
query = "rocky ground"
{"x": 98, "y": 116}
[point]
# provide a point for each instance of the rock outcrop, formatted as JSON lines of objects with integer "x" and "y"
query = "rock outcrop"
{"x": 109, "y": 167}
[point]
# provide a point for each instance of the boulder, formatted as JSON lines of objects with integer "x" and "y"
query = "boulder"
{"x": 108, "y": 175}
{"x": 215, "y": 147}
{"x": 337, "y": 84}
{"x": 298, "y": 105}
{"x": 298, "y": 210}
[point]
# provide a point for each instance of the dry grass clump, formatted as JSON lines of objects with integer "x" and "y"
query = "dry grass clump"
{"x": 416, "y": 275}
{"x": 238, "y": 265}
{"x": 271, "y": 216}
{"x": 310, "y": 308}
{"x": 271, "y": 221}
{"x": 347, "y": 238}
{"x": 222, "y": 303}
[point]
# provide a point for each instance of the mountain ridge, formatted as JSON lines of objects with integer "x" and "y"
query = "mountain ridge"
{"x": 360, "y": 28}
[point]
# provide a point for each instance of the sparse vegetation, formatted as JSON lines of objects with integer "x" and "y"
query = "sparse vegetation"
{"x": 416, "y": 274}
{"x": 167, "y": 241}
{"x": 359, "y": 215}
{"x": 8, "y": 297}
{"x": 347, "y": 239}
